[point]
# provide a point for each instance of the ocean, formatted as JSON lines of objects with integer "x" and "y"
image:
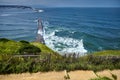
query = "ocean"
{"x": 67, "y": 30}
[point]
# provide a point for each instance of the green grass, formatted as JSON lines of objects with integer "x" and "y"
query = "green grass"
{"x": 107, "y": 53}
{"x": 10, "y": 47}
{"x": 13, "y": 47}
{"x": 50, "y": 60}
{"x": 44, "y": 49}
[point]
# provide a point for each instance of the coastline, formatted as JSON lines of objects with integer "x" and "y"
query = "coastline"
{"x": 78, "y": 35}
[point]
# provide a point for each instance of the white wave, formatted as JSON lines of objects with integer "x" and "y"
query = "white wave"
{"x": 62, "y": 44}
{"x": 5, "y": 14}
{"x": 65, "y": 45}
{"x": 38, "y": 10}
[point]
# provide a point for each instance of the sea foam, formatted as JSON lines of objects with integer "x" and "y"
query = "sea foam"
{"x": 37, "y": 10}
{"x": 40, "y": 10}
{"x": 63, "y": 44}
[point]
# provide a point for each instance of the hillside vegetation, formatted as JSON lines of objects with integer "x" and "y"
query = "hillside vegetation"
{"x": 45, "y": 59}
{"x": 22, "y": 47}
{"x": 107, "y": 53}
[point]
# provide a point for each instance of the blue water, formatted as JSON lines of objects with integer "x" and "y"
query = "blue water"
{"x": 69, "y": 30}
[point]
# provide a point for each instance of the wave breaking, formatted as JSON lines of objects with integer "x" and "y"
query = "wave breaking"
{"x": 63, "y": 44}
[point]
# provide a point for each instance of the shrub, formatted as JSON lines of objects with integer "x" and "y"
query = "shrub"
{"x": 4, "y": 40}
{"x": 28, "y": 49}
{"x": 58, "y": 66}
{"x": 22, "y": 41}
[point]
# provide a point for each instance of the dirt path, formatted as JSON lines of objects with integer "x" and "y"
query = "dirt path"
{"x": 74, "y": 75}
{"x": 109, "y": 73}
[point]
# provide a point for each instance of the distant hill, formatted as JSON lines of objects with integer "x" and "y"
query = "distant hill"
{"x": 15, "y": 6}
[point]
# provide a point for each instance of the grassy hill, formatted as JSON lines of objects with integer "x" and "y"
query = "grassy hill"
{"x": 22, "y": 47}
{"x": 50, "y": 60}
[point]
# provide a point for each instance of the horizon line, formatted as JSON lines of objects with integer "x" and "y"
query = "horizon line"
{"x": 63, "y": 6}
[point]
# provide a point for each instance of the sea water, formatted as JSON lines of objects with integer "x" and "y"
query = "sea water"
{"x": 66, "y": 30}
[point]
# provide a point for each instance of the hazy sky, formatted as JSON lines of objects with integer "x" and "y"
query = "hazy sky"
{"x": 65, "y": 3}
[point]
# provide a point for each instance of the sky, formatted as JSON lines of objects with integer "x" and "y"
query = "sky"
{"x": 64, "y": 3}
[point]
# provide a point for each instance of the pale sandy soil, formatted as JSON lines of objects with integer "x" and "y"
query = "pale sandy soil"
{"x": 74, "y": 75}
{"x": 82, "y": 75}
{"x": 109, "y": 73}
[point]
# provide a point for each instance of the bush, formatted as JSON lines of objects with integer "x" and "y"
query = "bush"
{"x": 22, "y": 41}
{"x": 4, "y": 40}
{"x": 28, "y": 49}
